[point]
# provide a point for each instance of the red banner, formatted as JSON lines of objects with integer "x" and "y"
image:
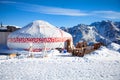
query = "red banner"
{"x": 37, "y": 40}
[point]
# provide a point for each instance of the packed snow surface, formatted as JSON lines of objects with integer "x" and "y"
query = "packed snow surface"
{"x": 102, "y": 64}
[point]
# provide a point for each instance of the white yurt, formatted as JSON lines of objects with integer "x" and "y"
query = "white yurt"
{"x": 39, "y": 35}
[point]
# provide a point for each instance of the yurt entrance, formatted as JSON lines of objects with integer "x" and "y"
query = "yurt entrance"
{"x": 68, "y": 44}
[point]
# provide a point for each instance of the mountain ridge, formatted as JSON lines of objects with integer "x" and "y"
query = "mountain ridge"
{"x": 104, "y": 31}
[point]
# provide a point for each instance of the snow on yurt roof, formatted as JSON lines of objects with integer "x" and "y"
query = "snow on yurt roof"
{"x": 40, "y": 28}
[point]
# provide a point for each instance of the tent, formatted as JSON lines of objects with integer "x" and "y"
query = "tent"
{"x": 40, "y": 35}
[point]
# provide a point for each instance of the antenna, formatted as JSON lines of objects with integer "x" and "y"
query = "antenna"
{"x": 1, "y": 24}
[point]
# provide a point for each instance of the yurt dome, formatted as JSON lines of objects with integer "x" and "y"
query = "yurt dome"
{"x": 40, "y": 35}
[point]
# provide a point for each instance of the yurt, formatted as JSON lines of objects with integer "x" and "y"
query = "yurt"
{"x": 40, "y": 35}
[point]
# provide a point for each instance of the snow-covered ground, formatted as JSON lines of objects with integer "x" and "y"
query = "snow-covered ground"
{"x": 102, "y": 64}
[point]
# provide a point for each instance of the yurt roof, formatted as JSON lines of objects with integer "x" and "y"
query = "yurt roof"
{"x": 39, "y": 28}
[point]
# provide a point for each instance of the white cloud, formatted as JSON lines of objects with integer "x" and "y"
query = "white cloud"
{"x": 45, "y": 9}
{"x": 107, "y": 14}
{"x": 62, "y": 11}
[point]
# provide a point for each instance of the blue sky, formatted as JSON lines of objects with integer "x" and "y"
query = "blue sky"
{"x": 66, "y": 13}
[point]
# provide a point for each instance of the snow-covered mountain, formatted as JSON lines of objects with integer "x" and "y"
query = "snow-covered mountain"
{"x": 104, "y": 31}
{"x": 109, "y": 30}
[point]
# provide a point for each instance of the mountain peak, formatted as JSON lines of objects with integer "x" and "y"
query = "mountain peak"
{"x": 105, "y": 31}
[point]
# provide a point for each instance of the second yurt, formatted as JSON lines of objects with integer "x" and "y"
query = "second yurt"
{"x": 39, "y": 35}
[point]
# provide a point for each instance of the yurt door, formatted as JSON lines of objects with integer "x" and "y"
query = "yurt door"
{"x": 68, "y": 44}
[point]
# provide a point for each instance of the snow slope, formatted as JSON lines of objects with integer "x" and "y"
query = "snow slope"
{"x": 114, "y": 46}
{"x": 102, "y": 64}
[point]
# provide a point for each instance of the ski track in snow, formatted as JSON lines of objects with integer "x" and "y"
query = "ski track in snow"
{"x": 58, "y": 68}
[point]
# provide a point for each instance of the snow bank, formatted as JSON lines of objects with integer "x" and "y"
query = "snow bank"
{"x": 104, "y": 53}
{"x": 114, "y": 46}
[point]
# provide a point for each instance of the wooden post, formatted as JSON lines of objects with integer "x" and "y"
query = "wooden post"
{"x": 30, "y": 51}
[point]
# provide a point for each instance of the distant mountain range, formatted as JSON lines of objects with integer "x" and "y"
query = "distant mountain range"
{"x": 104, "y": 31}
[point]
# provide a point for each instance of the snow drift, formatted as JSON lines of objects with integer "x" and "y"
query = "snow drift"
{"x": 114, "y": 46}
